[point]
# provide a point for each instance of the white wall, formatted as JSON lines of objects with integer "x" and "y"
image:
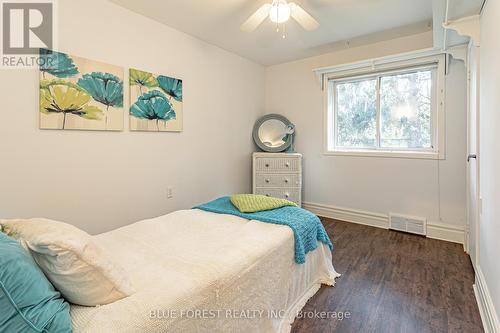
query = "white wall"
{"x": 428, "y": 188}
{"x": 490, "y": 151}
{"x": 102, "y": 180}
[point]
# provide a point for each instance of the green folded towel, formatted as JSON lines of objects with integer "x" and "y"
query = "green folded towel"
{"x": 250, "y": 203}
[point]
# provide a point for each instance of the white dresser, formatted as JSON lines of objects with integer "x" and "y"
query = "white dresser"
{"x": 278, "y": 175}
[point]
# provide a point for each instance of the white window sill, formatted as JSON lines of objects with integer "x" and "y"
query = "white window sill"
{"x": 427, "y": 155}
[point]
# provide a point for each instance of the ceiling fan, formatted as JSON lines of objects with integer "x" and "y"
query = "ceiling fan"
{"x": 279, "y": 12}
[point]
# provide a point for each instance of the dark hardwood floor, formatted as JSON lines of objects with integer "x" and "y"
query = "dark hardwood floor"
{"x": 394, "y": 282}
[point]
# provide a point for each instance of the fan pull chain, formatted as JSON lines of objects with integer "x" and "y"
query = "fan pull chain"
{"x": 277, "y": 21}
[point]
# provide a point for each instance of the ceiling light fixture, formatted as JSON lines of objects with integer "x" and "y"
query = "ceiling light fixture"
{"x": 279, "y": 12}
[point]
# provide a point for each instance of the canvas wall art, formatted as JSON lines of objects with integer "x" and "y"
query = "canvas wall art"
{"x": 155, "y": 102}
{"x": 79, "y": 94}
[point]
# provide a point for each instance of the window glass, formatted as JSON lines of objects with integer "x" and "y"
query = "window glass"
{"x": 390, "y": 112}
{"x": 405, "y": 110}
{"x": 356, "y": 104}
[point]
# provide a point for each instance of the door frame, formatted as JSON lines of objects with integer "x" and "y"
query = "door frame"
{"x": 475, "y": 151}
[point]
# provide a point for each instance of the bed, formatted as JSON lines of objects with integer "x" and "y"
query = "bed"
{"x": 197, "y": 271}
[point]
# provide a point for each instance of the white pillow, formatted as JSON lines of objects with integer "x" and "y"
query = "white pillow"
{"x": 71, "y": 261}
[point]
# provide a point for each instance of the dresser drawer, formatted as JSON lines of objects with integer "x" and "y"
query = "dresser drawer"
{"x": 292, "y": 194}
{"x": 277, "y": 180}
{"x": 284, "y": 164}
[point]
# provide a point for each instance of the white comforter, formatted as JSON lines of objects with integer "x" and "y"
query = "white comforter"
{"x": 196, "y": 271}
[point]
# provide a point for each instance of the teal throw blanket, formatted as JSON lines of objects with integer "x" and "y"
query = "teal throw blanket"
{"x": 307, "y": 228}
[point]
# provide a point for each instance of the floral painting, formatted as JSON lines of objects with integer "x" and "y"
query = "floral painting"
{"x": 155, "y": 102}
{"x": 79, "y": 94}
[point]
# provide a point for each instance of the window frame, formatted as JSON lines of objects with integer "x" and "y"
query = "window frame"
{"x": 437, "y": 66}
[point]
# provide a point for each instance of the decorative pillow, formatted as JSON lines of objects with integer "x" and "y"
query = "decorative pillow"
{"x": 71, "y": 261}
{"x": 28, "y": 302}
{"x": 251, "y": 203}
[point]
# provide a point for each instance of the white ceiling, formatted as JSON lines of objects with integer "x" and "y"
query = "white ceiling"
{"x": 218, "y": 22}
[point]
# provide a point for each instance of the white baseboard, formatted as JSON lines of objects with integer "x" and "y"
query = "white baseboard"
{"x": 445, "y": 232}
{"x": 440, "y": 231}
{"x": 348, "y": 215}
{"x": 485, "y": 304}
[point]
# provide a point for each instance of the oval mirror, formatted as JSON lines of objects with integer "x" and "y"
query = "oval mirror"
{"x": 273, "y": 133}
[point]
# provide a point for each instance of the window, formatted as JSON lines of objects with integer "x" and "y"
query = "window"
{"x": 392, "y": 112}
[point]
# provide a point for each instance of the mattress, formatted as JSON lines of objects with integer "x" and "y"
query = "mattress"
{"x": 196, "y": 271}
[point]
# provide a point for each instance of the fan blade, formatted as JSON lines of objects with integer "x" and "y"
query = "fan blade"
{"x": 302, "y": 17}
{"x": 256, "y": 19}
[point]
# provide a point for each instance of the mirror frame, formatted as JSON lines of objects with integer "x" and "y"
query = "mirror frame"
{"x": 260, "y": 144}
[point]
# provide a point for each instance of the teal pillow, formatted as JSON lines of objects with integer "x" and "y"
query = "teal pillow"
{"x": 28, "y": 302}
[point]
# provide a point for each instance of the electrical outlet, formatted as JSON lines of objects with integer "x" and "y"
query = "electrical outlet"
{"x": 170, "y": 192}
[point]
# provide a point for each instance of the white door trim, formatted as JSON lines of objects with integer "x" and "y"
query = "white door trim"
{"x": 473, "y": 150}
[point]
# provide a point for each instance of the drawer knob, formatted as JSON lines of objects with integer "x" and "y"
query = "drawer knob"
{"x": 287, "y": 164}
{"x": 267, "y": 180}
{"x": 286, "y": 180}
{"x": 287, "y": 195}
{"x": 267, "y": 195}
{"x": 267, "y": 165}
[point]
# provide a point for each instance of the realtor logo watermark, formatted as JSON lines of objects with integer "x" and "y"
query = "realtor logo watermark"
{"x": 245, "y": 314}
{"x": 27, "y": 26}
